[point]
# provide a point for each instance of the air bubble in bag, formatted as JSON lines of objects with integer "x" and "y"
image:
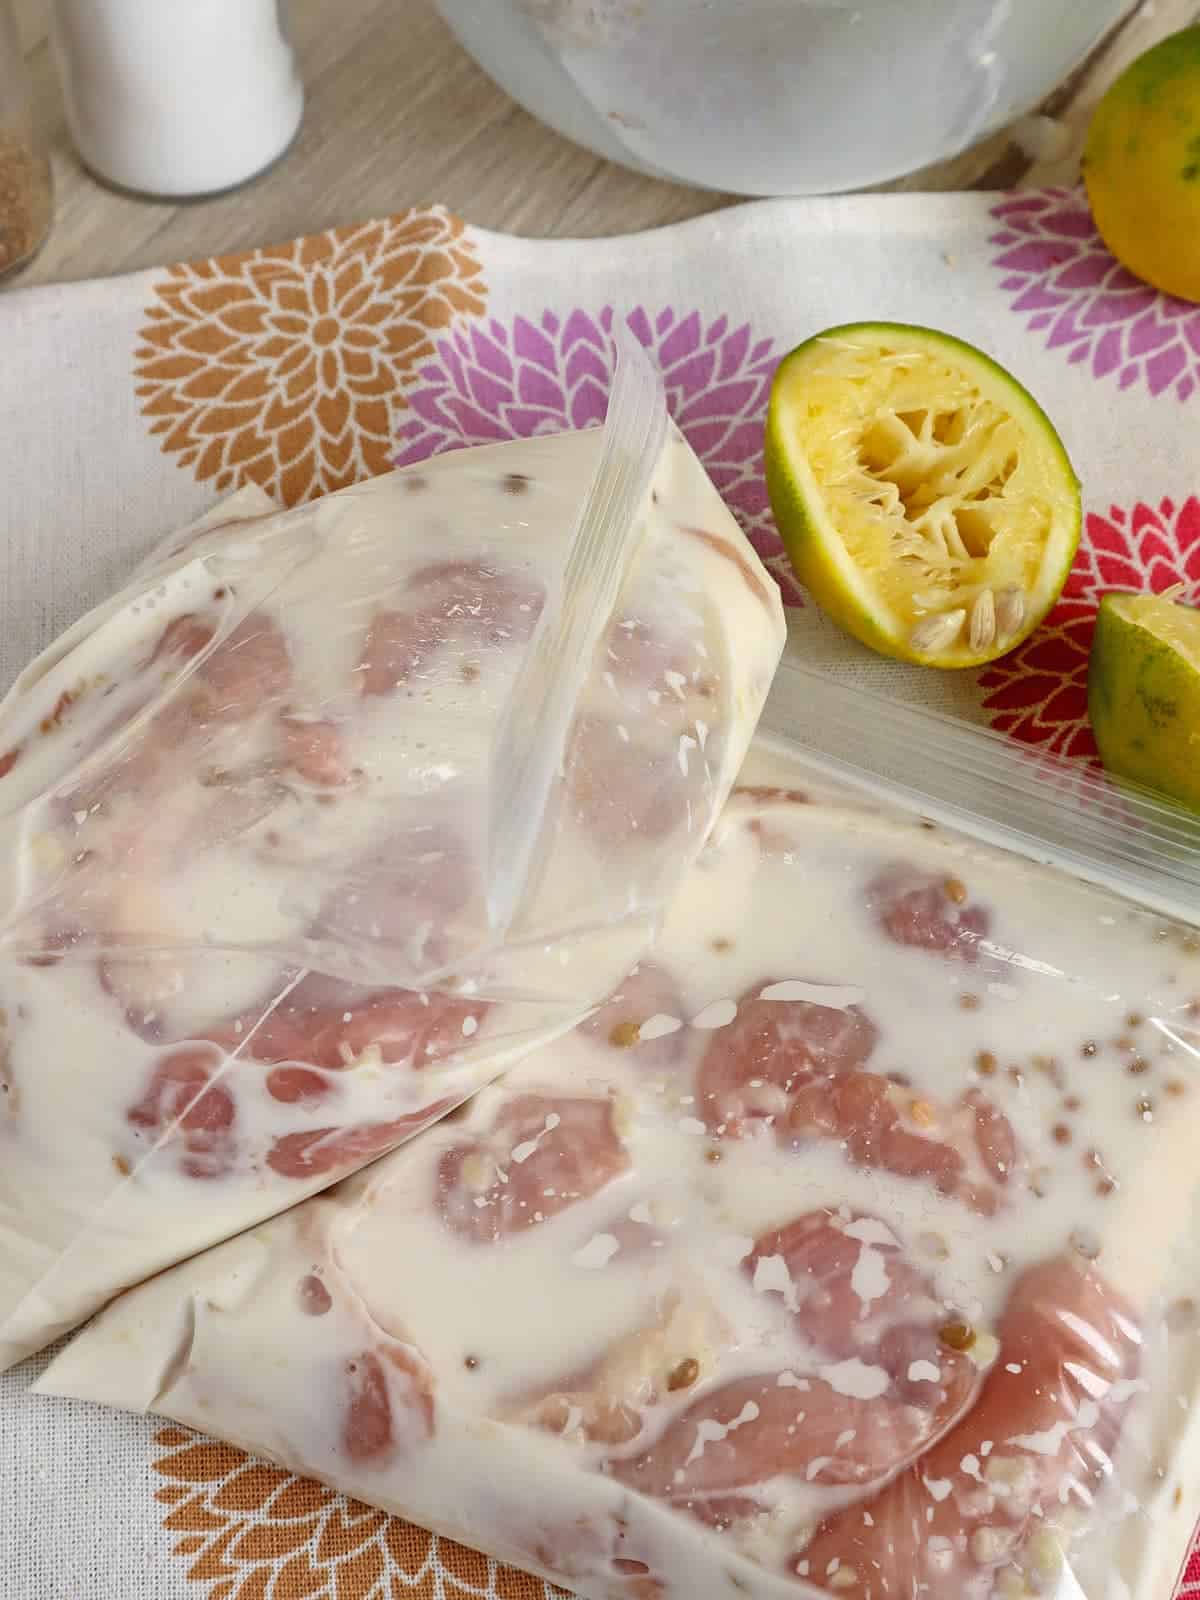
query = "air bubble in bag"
{"x": 849, "y": 1250}
{"x": 255, "y": 813}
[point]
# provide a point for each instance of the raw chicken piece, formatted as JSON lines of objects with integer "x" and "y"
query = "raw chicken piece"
{"x": 857, "y": 1414}
{"x": 756, "y": 1067}
{"x": 644, "y": 1015}
{"x": 543, "y": 1154}
{"x": 460, "y": 607}
{"x": 984, "y": 1500}
{"x": 796, "y": 1067}
{"x": 928, "y": 912}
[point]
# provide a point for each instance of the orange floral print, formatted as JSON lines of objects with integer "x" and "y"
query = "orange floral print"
{"x": 284, "y": 366}
{"x": 248, "y": 1530}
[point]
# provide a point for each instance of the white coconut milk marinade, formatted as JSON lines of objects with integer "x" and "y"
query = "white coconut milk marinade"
{"x": 248, "y": 798}
{"x": 820, "y": 1261}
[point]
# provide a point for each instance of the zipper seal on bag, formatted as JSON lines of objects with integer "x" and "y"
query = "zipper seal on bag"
{"x": 1035, "y": 803}
{"x": 527, "y": 753}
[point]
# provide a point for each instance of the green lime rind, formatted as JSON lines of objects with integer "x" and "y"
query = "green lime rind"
{"x": 1144, "y": 699}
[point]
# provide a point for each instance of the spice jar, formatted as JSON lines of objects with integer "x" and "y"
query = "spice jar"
{"x": 24, "y": 167}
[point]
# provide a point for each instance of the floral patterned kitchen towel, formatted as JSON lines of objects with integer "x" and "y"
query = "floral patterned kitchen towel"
{"x": 129, "y": 405}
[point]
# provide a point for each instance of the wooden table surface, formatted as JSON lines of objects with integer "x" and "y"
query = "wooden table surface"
{"x": 397, "y": 114}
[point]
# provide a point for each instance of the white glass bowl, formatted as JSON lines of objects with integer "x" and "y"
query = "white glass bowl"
{"x": 767, "y": 97}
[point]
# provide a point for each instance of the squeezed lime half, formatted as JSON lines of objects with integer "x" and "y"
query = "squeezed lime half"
{"x": 924, "y": 498}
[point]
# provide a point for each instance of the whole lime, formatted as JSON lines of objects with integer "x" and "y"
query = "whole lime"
{"x": 1141, "y": 166}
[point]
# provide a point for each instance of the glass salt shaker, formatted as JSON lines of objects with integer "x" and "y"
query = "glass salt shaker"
{"x": 25, "y": 185}
{"x": 177, "y": 99}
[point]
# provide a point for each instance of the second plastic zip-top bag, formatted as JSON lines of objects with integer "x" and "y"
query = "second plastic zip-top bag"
{"x": 847, "y": 1251}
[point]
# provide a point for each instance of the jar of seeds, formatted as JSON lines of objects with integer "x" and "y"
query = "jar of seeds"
{"x": 25, "y": 193}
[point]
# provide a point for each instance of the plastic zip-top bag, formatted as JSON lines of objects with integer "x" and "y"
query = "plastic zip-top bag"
{"x": 848, "y": 1252}
{"x": 258, "y": 812}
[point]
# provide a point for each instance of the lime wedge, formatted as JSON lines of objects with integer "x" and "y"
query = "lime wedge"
{"x": 925, "y": 500}
{"x": 1144, "y": 692}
